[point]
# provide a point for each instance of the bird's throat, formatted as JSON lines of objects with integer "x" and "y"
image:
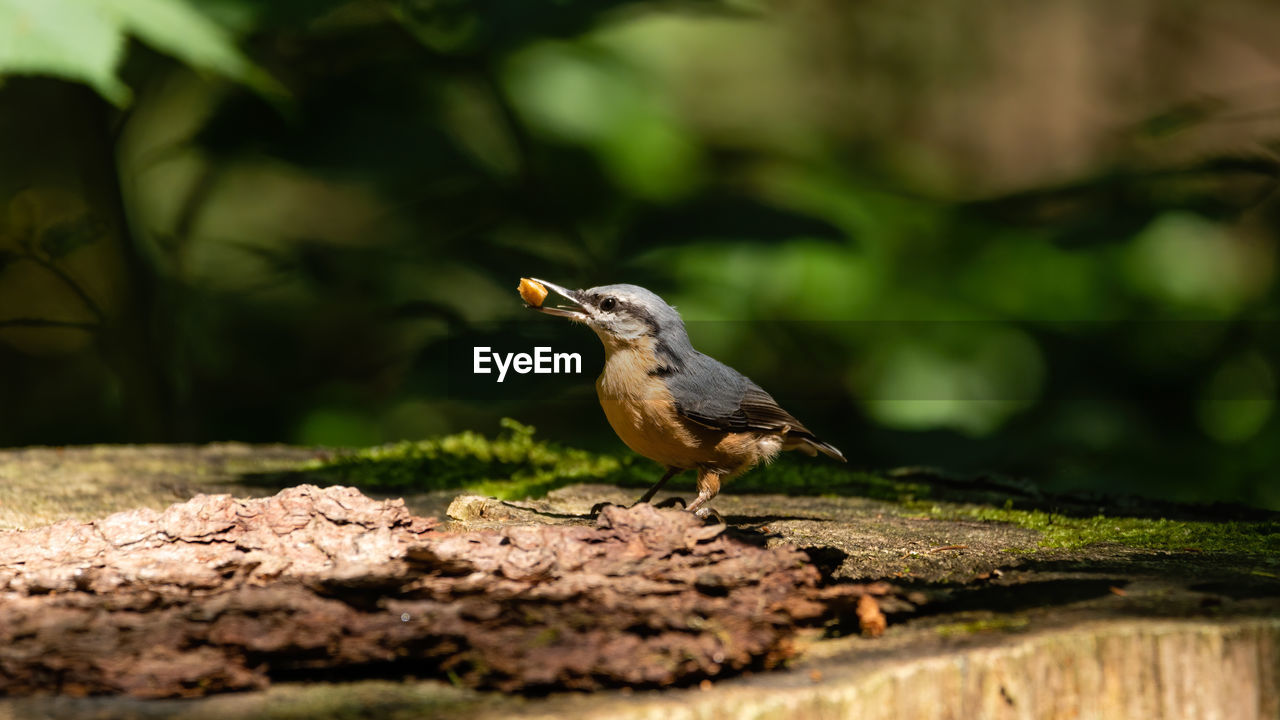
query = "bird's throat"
{"x": 628, "y": 368}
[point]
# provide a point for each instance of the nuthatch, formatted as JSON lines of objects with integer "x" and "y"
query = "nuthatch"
{"x": 673, "y": 404}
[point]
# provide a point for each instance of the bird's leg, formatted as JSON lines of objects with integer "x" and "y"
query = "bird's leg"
{"x": 671, "y": 472}
{"x": 708, "y": 487}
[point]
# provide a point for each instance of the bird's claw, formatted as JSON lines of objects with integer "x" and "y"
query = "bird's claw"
{"x": 710, "y": 515}
{"x": 671, "y": 502}
{"x": 598, "y": 507}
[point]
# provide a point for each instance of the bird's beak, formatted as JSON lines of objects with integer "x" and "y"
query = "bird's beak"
{"x": 575, "y": 312}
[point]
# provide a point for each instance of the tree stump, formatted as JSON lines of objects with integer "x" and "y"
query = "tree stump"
{"x": 330, "y": 603}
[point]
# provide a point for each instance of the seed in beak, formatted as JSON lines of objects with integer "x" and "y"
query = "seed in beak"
{"x": 532, "y": 292}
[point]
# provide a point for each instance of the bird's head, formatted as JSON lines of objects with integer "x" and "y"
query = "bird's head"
{"x": 621, "y": 315}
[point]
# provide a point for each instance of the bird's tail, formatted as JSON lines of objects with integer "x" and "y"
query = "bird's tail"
{"x": 825, "y": 448}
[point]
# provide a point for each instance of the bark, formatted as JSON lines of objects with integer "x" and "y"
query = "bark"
{"x": 220, "y": 593}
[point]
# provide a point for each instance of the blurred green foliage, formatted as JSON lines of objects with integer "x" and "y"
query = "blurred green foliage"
{"x": 984, "y": 237}
{"x": 85, "y": 41}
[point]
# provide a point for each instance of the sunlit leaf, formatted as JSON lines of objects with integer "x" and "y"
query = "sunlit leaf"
{"x": 175, "y": 28}
{"x": 71, "y": 39}
{"x": 84, "y": 41}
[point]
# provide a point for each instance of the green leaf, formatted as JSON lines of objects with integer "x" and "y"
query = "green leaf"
{"x": 71, "y": 39}
{"x": 83, "y": 41}
{"x": 176, "y": 28}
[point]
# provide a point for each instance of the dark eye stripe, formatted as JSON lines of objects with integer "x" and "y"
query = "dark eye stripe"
{"x": 626, "y": 307}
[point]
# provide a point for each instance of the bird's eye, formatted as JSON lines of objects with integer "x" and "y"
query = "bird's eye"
{"x": 608, "y": 304}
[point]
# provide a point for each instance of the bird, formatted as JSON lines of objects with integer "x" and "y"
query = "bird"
{"x": 670, "y": 403}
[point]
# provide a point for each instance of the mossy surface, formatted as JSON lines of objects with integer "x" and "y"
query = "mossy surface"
{"x": 511, "y": 466}
{"x": 1062, "y": 531}
{"x": 516, "y": 466}
{"x": 355, "y": 699}
{"x": 992, "y": 557}
{"x": 1014, "y": 623}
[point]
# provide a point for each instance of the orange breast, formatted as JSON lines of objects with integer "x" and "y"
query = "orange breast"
{"x": 642, "y": 411}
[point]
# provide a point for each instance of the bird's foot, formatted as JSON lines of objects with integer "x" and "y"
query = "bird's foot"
{"x": 600, "y": 506}
{"x": 671, "y": 502}
{"x": 710, "y": 515}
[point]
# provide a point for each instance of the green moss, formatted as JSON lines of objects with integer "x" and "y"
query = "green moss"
{"x": 514, "y": 465}
{"x": 803, "y": 476}
{"x": 545, "y": 638}
{"x": 986, "y": 625}
{"x": 1062, "y": 531}
{"x": 510, "y": 466}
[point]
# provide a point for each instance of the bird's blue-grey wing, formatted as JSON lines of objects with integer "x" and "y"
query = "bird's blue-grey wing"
{"x": 716, "y": 396}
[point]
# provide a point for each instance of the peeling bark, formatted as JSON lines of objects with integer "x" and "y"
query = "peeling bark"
{"x": 220, "y": 594}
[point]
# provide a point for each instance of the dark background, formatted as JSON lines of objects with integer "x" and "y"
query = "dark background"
{"x": 1029, "y": 238}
